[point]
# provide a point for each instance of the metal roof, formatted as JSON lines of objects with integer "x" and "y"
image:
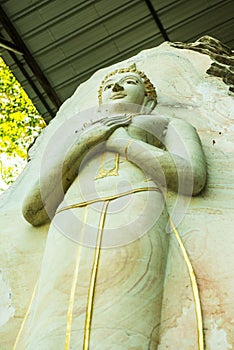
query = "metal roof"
{"x": 54, "y": 45}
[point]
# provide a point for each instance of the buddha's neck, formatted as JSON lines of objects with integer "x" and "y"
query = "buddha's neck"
{"x": 120, "y": 109}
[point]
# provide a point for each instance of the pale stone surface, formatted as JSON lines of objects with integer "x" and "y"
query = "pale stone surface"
{"x": 184, "y": 91}
{"x": 6, "y": 309}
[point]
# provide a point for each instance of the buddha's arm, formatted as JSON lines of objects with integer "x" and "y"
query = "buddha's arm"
{"x": 181, "y": 167}
{"x": 183, "y": 143}
{"x": 47, "y": 192}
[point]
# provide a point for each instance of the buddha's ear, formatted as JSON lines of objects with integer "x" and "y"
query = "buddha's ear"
{"x": 149, "y": 103}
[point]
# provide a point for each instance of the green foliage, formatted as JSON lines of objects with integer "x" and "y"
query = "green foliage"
{"x": 20, "y": 123}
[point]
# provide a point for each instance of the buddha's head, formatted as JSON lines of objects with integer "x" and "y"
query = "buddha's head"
{"x": 127, "y": 88}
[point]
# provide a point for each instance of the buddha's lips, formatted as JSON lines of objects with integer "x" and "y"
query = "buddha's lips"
{"x": 117, "y": 96}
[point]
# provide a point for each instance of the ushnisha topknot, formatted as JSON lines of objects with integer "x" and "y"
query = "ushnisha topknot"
{"x": 149, "y": 87}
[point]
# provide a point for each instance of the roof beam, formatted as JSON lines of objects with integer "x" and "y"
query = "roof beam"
{"x": 157, "y": 20}
{"x": 9, "y": 46}
{"x": 16, "y": 38}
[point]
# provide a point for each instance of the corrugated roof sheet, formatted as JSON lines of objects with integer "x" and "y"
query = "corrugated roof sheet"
{"x": 72, "y": 39}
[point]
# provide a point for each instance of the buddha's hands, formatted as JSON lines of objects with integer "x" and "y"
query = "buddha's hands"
{"x": 94, "y": 136}
{"x": 117, "y": 121}
{"x": 149, "y": 129}
{"x": 101, "y": 129}
{"x": 118, "y": 140}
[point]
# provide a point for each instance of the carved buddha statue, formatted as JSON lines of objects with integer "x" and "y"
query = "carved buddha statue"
{"x": 103, "y": 272}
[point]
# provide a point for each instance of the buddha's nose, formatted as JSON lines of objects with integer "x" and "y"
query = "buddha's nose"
{"x": 117, "y": 87}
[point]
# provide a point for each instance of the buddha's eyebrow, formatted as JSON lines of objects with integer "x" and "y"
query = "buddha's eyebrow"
{"x": 131, "y": 76}
{"x": 111, "y": 80}
{"x": 108, "y": 81}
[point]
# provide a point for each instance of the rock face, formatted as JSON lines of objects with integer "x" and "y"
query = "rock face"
{"x": 194, "y": 82}
{"x": 222, "y": 56}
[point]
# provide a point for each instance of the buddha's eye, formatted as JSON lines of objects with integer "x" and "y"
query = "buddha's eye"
{"x": 131, "y": 81}
{"x": 109, "y": 86}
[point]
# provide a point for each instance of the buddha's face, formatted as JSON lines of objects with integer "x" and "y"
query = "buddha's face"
{"x": 124, "y": 88}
